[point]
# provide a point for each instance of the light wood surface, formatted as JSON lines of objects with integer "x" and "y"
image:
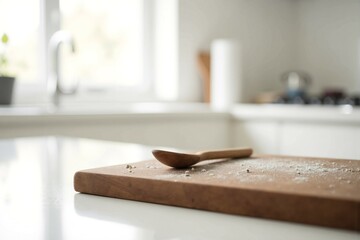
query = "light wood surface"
{"x": 203, "y": 61}
{"x": 324, "y": 192}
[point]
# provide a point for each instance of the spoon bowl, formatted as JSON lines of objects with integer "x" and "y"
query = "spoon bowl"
{"x": 184, "y": 160}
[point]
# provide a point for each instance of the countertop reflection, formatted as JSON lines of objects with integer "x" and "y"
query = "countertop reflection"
{"x": 37, "y": 200}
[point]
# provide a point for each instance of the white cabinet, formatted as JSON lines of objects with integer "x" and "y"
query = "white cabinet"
{"x": 179, "y": 130}
{"x": 320, "y": 140}
{"x": 300, "y": 131}
{"x": 262, "y": 136}
{"x": 290, "y": 130}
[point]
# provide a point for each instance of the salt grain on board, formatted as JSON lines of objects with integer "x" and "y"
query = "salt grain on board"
{"x": 257, "y": 170}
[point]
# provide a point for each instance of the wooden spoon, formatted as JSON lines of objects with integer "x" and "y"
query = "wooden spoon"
{"x": 184, "y": 160}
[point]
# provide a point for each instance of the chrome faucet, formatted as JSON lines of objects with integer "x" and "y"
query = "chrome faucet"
{"x": 54, "y": 81}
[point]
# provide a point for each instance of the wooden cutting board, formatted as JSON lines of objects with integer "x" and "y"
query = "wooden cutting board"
{"x": 324, "y": 192}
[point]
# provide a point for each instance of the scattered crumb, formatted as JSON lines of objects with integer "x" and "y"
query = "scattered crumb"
{"x": 129, "y": 168}
{"x": 261, "y": 171}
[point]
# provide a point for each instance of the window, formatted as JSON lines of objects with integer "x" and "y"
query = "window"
{"x": 115, "y": 47}
{"x": 23, "y": 50}
{"x": 109, "y": 42}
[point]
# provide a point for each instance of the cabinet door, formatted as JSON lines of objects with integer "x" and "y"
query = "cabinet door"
{"x": 262, "y": 136}
{"x": 320, "y": 140}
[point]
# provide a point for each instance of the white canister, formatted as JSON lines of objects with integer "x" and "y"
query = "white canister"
{"x": 225, "y": 74}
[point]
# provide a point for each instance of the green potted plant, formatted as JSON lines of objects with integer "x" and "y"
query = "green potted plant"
{"x": 6, "y": 79}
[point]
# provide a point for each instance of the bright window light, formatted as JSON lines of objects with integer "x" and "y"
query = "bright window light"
{"x": 109, "y": 42}
{"x": 19, "y": 19}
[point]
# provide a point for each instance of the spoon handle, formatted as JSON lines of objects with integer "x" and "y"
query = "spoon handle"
{"x": 225, "y": 153}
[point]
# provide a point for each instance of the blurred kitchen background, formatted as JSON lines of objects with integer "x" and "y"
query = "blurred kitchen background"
{"x": 141, "y": 71}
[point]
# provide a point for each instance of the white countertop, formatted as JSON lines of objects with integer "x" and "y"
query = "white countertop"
{"x": 37, "y": 200}
{"x": 131, "y": 111}
{"x": 300, "y": 113}
{"x": 278, "y": 112}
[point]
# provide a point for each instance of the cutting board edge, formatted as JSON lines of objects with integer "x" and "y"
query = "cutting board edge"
{"x": 91, "y": 171}
{"x": 93, "y": 183}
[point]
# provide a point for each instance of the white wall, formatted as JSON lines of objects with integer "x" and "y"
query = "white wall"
{"x": 321, "y": 37}
{"x": 328, "y": 42}
{"x": 265, "y": 29}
